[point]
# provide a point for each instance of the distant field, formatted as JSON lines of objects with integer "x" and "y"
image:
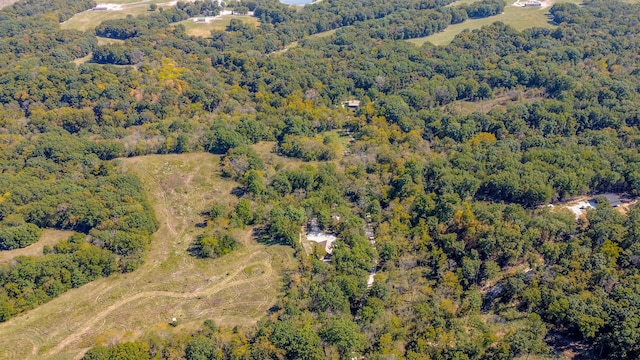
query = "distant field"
{"x": 462, "y": 107}
{"x": 519, "y": 18}
{"x": 325, "y": 33}
{"x": 220, "y": 24}
{"x": 106, "y": 41}
{"x": 235, "y": 289}
{"x": 461, "y": 2}
{"x": 88, "y": 20}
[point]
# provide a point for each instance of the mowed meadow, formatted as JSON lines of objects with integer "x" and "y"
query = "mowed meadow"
{"x": 518, "y": 17}
{"x": 90, "y": 19}
{"x": 236, "y": 289}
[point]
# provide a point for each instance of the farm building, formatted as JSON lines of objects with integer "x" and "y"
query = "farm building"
{"x": 101, "y": 7}
{"x": 532, "y": 3}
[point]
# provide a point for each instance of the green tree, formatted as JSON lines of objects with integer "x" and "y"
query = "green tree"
{"x": 345, "y": 335}
{"x": 299, "y": 343}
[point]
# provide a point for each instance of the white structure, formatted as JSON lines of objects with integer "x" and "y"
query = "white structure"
{"x": 318, "y": 236}
{"x": 351, "y": 104}
{"x": 104, "y": 7}
{"x": 579, "y": 208}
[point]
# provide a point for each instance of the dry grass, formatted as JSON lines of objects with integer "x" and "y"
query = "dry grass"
{"x": 88, "y": 20}
{"x": 49, "y": 237}
{"x": 325, "y": 33}
{"x": 108, "y": 41}
{"x": 83, "y": 59}
{"x": 271, "y": 159}
{"x": 463, "y": 107}
{"x": 235, "y": 289}
{"x": 519, "y": 18}
{"x": 461, "y": 2}
{"x": 314, "y": 36}
{"x": 219, "y": 24}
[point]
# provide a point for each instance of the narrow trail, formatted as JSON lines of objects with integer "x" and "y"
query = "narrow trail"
{"x": 77, "y": 335}
{"x": 49, "y": 237}
{"x": 235, "y": 289}
{"x": 369, "y": 233}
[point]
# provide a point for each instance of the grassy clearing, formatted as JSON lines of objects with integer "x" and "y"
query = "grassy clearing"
{"x": 502, "y": 100}
{"x": 271, "y": 159}
{"x": 108, "y": 41}
{"x": 461, "y": 2}
{"x": 235, "y": 289}
{"x": 219, "y": 24}
{"x": 519, "y": 18}
{"x": 83, "y": 59}
{"x": 88, "y": 20}
{"x": 314, "y": 36}
{"x": 49, "y": 237}
{"x": 325, "y": 33}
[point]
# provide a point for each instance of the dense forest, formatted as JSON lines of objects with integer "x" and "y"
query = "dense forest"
{"x": 470, "y": 263}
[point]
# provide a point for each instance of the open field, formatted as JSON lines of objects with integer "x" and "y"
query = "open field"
{"x": 235, "y": 289}
{"x": 272, "y": 159}
{"x": 314, "y": 36}
{"x": 219, "y": 23}
{"x": 83, "y": 59}
{"x": 107, "y": 41}
{"x": 512, "y": 98}
{"x": 461, "y": 2}
{"x": 518, "y": 17}
{"x": 325, "y": 33}
{"x": 88, "y": 20}
{"x": 49, "y": 237}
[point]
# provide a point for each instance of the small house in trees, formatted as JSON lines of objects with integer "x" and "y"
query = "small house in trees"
{"x": 325, "y": 239}
{"x": 351, "y": 104}
{"x": 613, "y": 199}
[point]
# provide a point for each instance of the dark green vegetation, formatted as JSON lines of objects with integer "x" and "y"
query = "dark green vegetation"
{"x": 214, "y": 245}
{"x": 469, "y": 265}
{"x": 56, "y": 180}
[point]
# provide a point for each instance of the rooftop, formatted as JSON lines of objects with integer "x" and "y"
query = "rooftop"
{"x": 613, "y": 199}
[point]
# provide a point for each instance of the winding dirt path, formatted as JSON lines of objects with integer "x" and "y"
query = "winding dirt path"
{"x": 235, "y": 289}
{"x": 49, "y": 237}
{"x": 77, "y": 335}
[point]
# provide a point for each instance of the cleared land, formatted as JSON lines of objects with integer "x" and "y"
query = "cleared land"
{"x": 235, "y": 289}
{"x": 49, "y": 237}
{"x": 220, "y": 23}
{"x": 518, "y": 17}
{"x": 463, "y": 107}
{"x": 107, "y": 41}
{"x": 88, "y": 20}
